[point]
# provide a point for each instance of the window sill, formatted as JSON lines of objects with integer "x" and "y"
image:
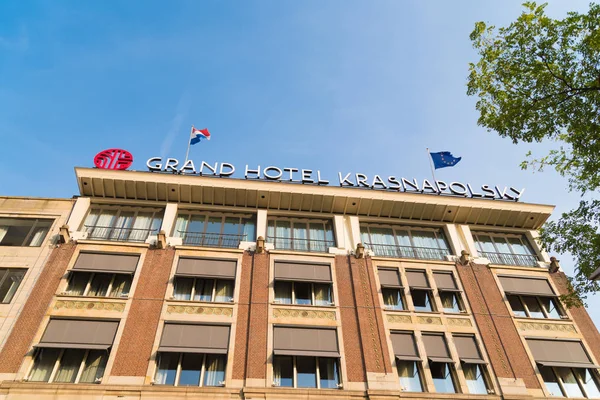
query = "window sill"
{"x": 395, "y": 311}
{"x": 543, "y": 319}
{"x": 61, "y": 295}
{"x": 454, "y": 314}
{"x": 303, "y": 305}
{"x": 113, "y": 243}
{"x": 218, "y": 303}
{"x": 206, "y": 248}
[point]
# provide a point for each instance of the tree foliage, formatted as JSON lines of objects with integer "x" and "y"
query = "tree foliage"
{"x": 536, "y": 80}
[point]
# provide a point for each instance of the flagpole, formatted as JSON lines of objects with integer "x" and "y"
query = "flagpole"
{"x": 431, "y": 164}
{"x": 187, "y": 153}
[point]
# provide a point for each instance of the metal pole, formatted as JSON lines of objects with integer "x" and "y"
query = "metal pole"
{"x": 187, "y": 153}
{"x": 431, "y": 164}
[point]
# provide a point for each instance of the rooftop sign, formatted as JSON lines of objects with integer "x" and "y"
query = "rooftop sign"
{"x": 344, "y": 179}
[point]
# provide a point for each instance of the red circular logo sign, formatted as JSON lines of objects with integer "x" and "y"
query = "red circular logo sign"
{"x": 113, "y": 159}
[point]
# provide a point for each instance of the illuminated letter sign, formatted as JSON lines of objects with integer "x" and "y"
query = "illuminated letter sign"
{"x": 113, "y": 159}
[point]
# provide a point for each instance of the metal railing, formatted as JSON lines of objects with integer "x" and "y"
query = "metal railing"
{"x": 211, "y": 239}
{"x": 116, "y": 234}
{"x": 294, "y": 244}
{"x": 421, "y": 253}
{"x": 523, "y": 260}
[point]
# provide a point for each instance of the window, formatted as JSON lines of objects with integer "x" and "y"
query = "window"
{"x": 408, "y": 361}
{"x": 443, "y": 377}
{"x": 391, "y": 288}
{"x": 310, "y": 235}
{"x": 122, "y": 224}
{"x": 96, "y": 284}
{"x": 420, "y": 291}
{"x": 476, "y": 379}
{"x": 505, "y": 249}
{"x": 570, "y": 382}
{"x": 10, "y": 279}
{"x": 23, "y": 231}
{"x": 68, "y": 365}
{"x": 441, "y": 364}
{"x": 473, "y": 365}
{"x": 190, "y": 369}
{"x": 409, "y": 374}
{"x": 393, "y": 299}
{"x": 201, "y": 289}
{"x": 534, "y": 307}
{"x": 215, "y": 230}
{"x": 303, "y": 293}
{"x": 306, "y": 372}
{"x": 405, "y": 242}
{"x": 448, "y": 291}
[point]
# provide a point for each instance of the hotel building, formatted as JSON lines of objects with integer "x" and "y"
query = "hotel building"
{"x": 171, "y": 286}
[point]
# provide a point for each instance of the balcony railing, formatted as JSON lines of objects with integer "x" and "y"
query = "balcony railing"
{"x": 294, "y": 244}
{"x": 421, "y": 253}
{"x": 202, "y": 239}
{"x": 522, "y": 260}
{"x": 118, "y": 234}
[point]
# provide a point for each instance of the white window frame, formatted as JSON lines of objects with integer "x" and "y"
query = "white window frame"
{"x": 89, "y": 285}
{"x": 193, "y": 292}
{"x": 57, "y": 366}
{"x": 301, "y": 221}
{"x": 178, "y": 370}
{"x": 579, "y": 383}
{"x": 317, "y": 373}
{"x": 312, "y": 292}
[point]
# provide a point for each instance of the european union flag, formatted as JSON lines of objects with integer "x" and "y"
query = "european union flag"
{"x": 444, "y": 159}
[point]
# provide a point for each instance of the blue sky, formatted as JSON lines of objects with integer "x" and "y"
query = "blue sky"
{"x": 356, "y": 86}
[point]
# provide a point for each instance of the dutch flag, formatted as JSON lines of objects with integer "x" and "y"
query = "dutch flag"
{"x": 198, "y": 135}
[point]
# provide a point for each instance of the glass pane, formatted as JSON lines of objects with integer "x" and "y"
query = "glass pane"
{"x": 519, "y": 247}
{"x": 44, "y": 363}
{"x": 323, "y": 294}
{"x": 516, "y": 305}
{"x": 121, "y": 286}
{"x": 421, "y": 300}
{"x": 403, "y": 238}
{"x": 569, "y": 382}
{"x": 69, "y": 365}
{"x": 15, "y": 234}
{"x": 589, "y": 383}
{"x": 283, "y": 292}
{"x": 317, "y": 238}
{"x": 248, "y": 230}
{"x": 449, "y": 302}
{"x": 213, "y": 231}
{"x": 283, "y": 371}
{"x": 392, "y": 298}
{"x": 501, "y": 244}
{"x": 204, "y": 288}
{"x": 122, "y": 227}
{"x": 329, "y": 233}
{"x": 442, "y": 377}
{"x": 191, "y": 366}
{"x": 183, "y": 288}
{"x": 231, "y": 226}
{"x": 12, "y": 280}
{"x": 142, "y": 226}
{"x": 215, "y": 370}
{"x": 302, "y": 290}
{"x": 550, "y": 306}
{"x": 167, "y": 368}
{"x": 300, "y": 237}
{"x": 77, "y": 283}
{"x": 94, "y": 366}
{"x": 535, "y": 310}
{"x": 484, "y": 243}
{"x": 99, "y": 285}
{"x": 328, "y": 373}
{"x": 224, "y": 291}
{"x": 181, "y": 226}
{"x": 550, "y": 381}
{"x": 383, "y": 243}
{"x": 36, "y": 237}
{"x": 196, "y": 224}
{"x": 410, "y": 381}
{"x": 475, "y": 379}
{"x": 306, "y": 370}
{"x": 424, "y": 239}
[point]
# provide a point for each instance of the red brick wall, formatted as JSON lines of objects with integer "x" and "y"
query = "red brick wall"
{"x": 580, "y": 316}
{"x": 35, "y": 308}
{"x": 498, "y": 331}
{"x": 258, "y": 319}
{"x": 243, "y": 311}
{"x": 350, "y": 332}
{"x": 134, "y": 350}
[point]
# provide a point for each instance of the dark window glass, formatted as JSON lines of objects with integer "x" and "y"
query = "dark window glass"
{"x": 95, "y": 364}
{"x": 99, "y": 285}
{"x": 120, "y": 286}
{"x": 215, "y": 370}
{"x": 302, "y": 290}
{"x": 224, "y": 291}
{"x": 283, "y": 292}
{"x": 77, "y": 283}
{"x": 550, "y": 306}
{"x": 10, "y": 279}
{"x": 183, "y": 288}
{"x": 533, "y": 306}
{"x": 392, "y": 298}
{"x": 551, "y": 381}
{"x": 191, "y": 366}
{"x": 69, "y": 365}
{"x": 410, "y": 380}
{"x": 43, "y": 365}
{"x": 569, "y": 382}
{"x": 306, "y": 370}
{"x": 442, "y": 377}
{"x": 450, "y": 302}
{"x": 283, "y": 371}
{"x": 204, "y": 289}
{"x": 23, "y": 231}
{"x": 475, "y": 378}
{"x": 167, "y": 368}
{"x": 590, "y": 384}
{"x": 421, "y": 300}
{"x": 323, "y": 295}
{"x": 328, "y": 372}
{"x": 517, "y": 306}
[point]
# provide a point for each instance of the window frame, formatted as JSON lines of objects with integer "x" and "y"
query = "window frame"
{"x": 57, "y": 363}
{"x": 312, "y": 293}
{"x": 453, "y": 376}
{"x": 211, "y": 214}
{"x": 485, "y": 375}
{"x": 558, "y": 306}
{"x": 420, "y": 373}
{"x": 306, "y": 222}
{"x": 505, "y": 235}
{"x": 429, "y": 295}
{"x": 213, "y": 291}
{"x": 28, "y": 236}
{"x": 560, "y": 382}
{"x": 88, "y": 285}
{"x": 178, "y": 370}
{"x": 158, "y": 214}
{"x": 5, "y": 276}
{"x": 317, "y": 373}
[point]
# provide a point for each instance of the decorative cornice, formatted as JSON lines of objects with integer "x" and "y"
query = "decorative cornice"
{"x": 548, "y": 327}
{"x": 89, "y": 305}
{"x": 293, "y": 313}
{"x": 201, "y": 310}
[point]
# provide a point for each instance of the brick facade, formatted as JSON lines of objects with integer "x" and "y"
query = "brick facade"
{"x": 34, "y": 310}
{"x": 135, "y": 348}
{"x": 241, "y": 334}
